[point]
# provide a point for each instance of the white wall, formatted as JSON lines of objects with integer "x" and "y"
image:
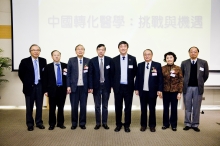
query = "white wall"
{"x": 11, "y": 92}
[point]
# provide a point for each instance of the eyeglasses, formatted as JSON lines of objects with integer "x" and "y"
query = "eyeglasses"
{"x": 35, "y": 50}
{"x": 80, "y": 49}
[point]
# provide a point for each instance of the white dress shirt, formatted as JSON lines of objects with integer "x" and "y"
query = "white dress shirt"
{"x": 124, "y": 69}
{"x": 146, "y": 76}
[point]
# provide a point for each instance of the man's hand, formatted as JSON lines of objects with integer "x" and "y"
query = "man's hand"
{"x": 68, "y": 90}
{"x": 46, "y": 94}
{"x": 160, "y": 94}
{"x": 179, "y": 96}
{"x": 90, "y": 90}
{"x": 136, "y": 92}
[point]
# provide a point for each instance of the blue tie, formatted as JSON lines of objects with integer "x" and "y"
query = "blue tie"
{"x": 36, "y": 78}
{"x": 59, "y": 79}
{"x": 123, "y": 58}
{"x": 80, "y": 61}
{"x": 147, "y": 66}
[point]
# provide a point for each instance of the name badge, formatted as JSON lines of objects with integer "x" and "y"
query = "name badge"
{"x": 201, "y": 68}
{"x": 108, "y": 66}
{"x": 172, "y": 75}
{"x": 154, "y": 74}
{"x": 130, "y": 66}
{"x": 85, "y": 71}
{"x": 64, "y": 73}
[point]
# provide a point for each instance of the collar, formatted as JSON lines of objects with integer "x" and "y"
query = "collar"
{"x": 80, "y": 59}
{"x": 195, "y": 60}
{"x": 126, "y": 56}
{"x": 101, "y": 58}
{"x": 148, "y": 62}
{"x": 56, "y": 63}
{"x": 34, "y": 59}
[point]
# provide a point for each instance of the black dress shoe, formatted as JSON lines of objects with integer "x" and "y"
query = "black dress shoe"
{"x": 174, "y": 129}
{"x": 152, "y": 129}
{"x": 164, "y": 127}
{"x": 30, "y": 128}
{"x": 127, "y": 129}
{"x": 196, "y": 129}
{"x": 83, "y": 127}
{"x": 40, "y": 126}
{"x": 62, "y": 126}
{"x": 97, "y": 127}
{"x": 73, "y": 127}
{"x": 51, "y": 128}
{"x": 186, "y": 128}
{"x": 117, "y": 129}
{"x": 143, "y": 128}
{"x": 105, "y": 126}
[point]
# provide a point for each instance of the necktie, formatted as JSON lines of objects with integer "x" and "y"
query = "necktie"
{"x": 123, "y": 58}
{"x": 193, "y": 62}
{"x": 80, "y": 61}
{"x": 36, "y": 78}
{"x": 147, "y": 66}
{"x": 101, "y": 67}
{"x": 59, "y": 79}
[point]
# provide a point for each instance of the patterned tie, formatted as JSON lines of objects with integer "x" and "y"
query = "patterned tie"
{"x": 123, "y": 58}
{"x": 101, "y": 67}
{"x": 36, "y": 72}
{"x": 59, "y": 78}
{"x": 147, "y": 66}
{"x": 80, "y": 61}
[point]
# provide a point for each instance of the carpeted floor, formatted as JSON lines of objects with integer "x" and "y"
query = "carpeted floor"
{"x": 13, "y": 132}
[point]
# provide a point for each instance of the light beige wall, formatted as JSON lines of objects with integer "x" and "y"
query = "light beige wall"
{"x": 11, "y": 92}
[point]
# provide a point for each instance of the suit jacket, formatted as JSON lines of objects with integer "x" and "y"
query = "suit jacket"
{"x": 26, "y": 73}
{"x": 94, "y": 74}
{"x": 131, "y": 73}
{"x": 50, "y": 82}
{"x": 155, "y": 83}
{"x": 202, "y": 74}
{"x": 72, "y": 74}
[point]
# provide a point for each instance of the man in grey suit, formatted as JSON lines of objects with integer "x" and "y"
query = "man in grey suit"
{"x": 195, "y": 72}
{"x": 77, "y": 86}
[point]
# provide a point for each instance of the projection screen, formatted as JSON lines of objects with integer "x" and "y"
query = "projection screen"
{"x": 160, "y": 25}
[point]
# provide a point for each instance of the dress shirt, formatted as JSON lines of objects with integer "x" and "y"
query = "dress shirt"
{"x": 33, "y": 61}
{"x": 146, "y": 76}
{"x": 103, "y": 65}
{"x": 80, "y": 72}
{"x": 124, "y": 69}
{"x": 55, "y": 69}
{"x": 195, "y": 60}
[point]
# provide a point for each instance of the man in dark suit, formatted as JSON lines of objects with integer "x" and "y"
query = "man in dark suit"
{"x": 31, "y": 73}
{"x": 124, "y": 71}
{"x": 55, "y": 88}
{"x": 100, "y": 84}
{"x": 77, "y": 86}
{"x": 195, "y": 73}
{"x": 148, "y": 85}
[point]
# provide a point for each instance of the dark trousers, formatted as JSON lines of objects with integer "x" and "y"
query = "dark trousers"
{"x": 101, "y": 97}
{"x": 170, "y": 98}
{"x": 145, "y": 100}
{"x": 80, "y": 96}
{"x": 59, "y": 101}
{"x": 37, "y": 97}
{"x": 127, "y": 95}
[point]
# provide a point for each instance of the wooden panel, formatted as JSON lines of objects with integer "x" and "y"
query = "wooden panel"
{"x": 5, "y": 31}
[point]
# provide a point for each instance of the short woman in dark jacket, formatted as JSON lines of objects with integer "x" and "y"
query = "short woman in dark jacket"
{"x": 173, "y": 84}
